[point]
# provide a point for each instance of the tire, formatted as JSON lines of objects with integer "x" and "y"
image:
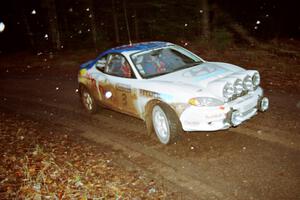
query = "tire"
{"x": 165, "y": 123}
{"x": 88, "y": 101}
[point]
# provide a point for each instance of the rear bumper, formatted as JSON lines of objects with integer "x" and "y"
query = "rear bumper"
{"x": 230, "y": 114}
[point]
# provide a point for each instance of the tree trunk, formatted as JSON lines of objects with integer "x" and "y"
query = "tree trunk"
{"x": 205, "y": 19}
{"x": 53, "y": 24}
{"x": 29, "y": 33}
{"x": 232, "y": 25}
{"x": 243, "y": 33}
{"x": 126, "y": 21}
{"x": 115, "y": 19}
{"x": 93, "y": 23}
{"x": 136, "y": 26}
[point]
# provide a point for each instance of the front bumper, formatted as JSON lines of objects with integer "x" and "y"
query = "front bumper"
{"x": 233, "y": 113}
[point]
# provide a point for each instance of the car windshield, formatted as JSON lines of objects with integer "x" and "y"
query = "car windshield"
{"x": 163, "y": 61}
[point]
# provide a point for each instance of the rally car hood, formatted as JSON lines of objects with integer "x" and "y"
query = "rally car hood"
{"x": 201, "y": 75}
{"x": 204, "y": 77}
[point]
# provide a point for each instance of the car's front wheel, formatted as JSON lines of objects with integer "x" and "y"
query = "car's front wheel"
{"x": 88, "y": 101}
{"x": 165, "y": 123}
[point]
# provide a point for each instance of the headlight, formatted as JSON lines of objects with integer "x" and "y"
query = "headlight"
{"x": 228, "y": 90}
{"x": 238, "y": 87}
{"x": 205, "y": 101}
{"x": 256, "y": 79}
{"x": 247, "y": 83}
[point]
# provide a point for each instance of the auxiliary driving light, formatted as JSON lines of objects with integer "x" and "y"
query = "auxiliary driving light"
{"x": 247, "y": 83}
{"x": 264, "y": 104}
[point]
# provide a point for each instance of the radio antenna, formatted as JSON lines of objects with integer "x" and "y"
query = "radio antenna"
{"x": 126, "y": 21}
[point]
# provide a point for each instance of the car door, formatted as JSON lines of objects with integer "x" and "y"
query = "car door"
{"x": 116, "y": 85}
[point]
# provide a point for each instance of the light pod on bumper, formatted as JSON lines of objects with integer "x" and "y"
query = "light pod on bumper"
{"x": 263, "y": 104}
{"x": 247, "y": 83}
{"x": 238, "y": 87}
{"x": 256, "y": 79}
{"x": 228, "y": 91}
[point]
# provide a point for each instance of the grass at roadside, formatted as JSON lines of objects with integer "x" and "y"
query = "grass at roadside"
{"x": 40, "y": 164}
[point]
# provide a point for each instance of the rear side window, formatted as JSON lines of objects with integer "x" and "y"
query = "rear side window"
{"x": 117, "y": 65}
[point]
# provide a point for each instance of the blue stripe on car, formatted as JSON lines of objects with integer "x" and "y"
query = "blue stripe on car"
{"x": 166, "y": 97}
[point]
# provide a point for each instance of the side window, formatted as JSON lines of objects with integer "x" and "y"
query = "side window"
{"x": 118, "y": 66}
{"x": 100, "y": 64}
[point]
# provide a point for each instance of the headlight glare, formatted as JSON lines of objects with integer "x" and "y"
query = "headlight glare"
{"x": 205, "y": 101}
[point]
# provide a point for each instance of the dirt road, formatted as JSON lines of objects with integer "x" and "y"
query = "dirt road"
{"x": 258, "y": 160}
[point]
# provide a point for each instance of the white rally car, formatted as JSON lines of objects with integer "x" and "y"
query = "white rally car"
{"x": 171, "y": 89}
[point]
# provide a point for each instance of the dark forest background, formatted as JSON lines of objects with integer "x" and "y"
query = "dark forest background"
{"x": 49, "y": 25}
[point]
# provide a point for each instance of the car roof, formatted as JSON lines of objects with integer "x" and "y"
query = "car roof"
{"x": 125, "y": 49}
{"x": 143, "y": 46}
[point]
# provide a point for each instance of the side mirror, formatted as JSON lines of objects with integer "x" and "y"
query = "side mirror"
{"x": 100, "y": 68}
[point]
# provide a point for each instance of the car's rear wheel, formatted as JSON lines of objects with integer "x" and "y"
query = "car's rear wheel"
{"x": 165, "y": 124}
{"x": 88, "y": 101}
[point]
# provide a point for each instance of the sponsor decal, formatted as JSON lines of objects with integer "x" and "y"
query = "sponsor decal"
{"x": 213, "y": 74}
{"x": 215, "y": 116}
{"x": 148, "y": 93}
{"x": 83, "y": 72}
{"x": 123, "y": 88}
{"x": 192, "y": 123}
{"x": 199, "y": 71}
{"x": 203, "y": 73}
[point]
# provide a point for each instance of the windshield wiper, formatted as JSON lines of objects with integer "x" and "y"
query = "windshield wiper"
{"x": 192, "y": 64}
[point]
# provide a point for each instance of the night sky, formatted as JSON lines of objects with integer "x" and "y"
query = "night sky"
{"x": 25, "y": 24}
